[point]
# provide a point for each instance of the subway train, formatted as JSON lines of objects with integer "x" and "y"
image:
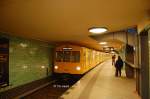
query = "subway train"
{"x": 74, "y": 59}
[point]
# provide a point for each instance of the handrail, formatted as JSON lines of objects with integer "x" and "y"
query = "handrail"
{"x": 131, "y": 64}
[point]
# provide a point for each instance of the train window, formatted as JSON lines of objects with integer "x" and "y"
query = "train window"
{"x": 59, "y": 56}
{"x": 75, "y": 57}
{"x": 67, "y": 55}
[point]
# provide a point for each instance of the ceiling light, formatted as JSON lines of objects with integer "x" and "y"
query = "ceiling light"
{"x": 67, "y": 48}
{"x": 111, "y": 48}
{"x": 103, "y": 43}
{"x": 97, "y": 30}
{"x": 112, "y": 52}
{"x": 106, "y": 46}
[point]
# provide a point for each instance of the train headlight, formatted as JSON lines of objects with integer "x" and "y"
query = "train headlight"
{"x": 78, "y": 68}
{"x": 56, "y": 67}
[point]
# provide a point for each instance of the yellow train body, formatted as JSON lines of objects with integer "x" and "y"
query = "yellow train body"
{"x": 73, "y": 59}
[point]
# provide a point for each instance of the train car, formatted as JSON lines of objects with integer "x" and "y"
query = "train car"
{"x": 73, "y": 59}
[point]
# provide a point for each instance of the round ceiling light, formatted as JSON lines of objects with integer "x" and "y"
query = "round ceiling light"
{"x": 98, "y": 30}
{"x": 103, "y": 43}
{"x": 105, "y": 46}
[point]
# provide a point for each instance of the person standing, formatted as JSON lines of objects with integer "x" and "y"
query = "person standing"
{"x": 118, "y": 66}
{"x": 113, "y": 59}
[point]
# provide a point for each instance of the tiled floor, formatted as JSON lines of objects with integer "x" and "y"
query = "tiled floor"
{"x": 100, "y": 83}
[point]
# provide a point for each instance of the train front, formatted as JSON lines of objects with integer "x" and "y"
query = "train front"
{"x": 68, "y": 59}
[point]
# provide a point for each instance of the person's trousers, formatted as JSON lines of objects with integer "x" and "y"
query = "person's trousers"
{"x": 118, "y": 72}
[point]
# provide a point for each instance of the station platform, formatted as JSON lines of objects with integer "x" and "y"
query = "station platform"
{"x": 101, "y": 83}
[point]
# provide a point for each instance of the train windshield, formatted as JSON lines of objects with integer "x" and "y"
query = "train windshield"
{"x": 59, "y": 56}
{"x": 68, "y": 56}
{"x": 75, "y": 56}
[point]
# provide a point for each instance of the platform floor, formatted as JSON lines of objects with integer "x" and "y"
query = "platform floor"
{"x": 101, "y": 83}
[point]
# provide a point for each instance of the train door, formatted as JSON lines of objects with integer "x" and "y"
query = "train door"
{"x": 85, "y": 60}
{"x": 144, "y": 62}
{"x": 4, "y": 59}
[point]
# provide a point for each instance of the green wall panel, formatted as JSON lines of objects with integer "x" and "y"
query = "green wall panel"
{"x": 28, "y": 60}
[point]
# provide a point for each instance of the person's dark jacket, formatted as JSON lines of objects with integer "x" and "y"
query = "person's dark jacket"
{"x": 119, "y": 64}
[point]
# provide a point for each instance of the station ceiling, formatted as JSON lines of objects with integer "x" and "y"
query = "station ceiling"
{"x": 69, "y": 20}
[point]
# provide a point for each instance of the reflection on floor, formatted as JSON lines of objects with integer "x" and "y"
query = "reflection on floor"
{"x": 101, "y": 83}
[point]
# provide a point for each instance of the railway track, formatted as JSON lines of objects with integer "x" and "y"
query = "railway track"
{"x": 54, "y": 90}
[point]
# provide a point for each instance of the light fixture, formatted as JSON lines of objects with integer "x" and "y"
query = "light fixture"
{"x": 78, "y": 68}
{"x": 105, "y": 46}
{"x": 112, "y": 52}
{"x": 97, "y": 30}
{"x": 111, "y": 48}
{"x": 66, "y": 48}
{"x": 56, "y": 67}
{"x": 103, "y": 43}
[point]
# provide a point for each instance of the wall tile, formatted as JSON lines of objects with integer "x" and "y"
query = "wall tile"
{"x": 28, "y": 60}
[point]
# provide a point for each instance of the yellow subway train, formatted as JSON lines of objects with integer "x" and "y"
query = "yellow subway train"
{"x": 74, "y": 59}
